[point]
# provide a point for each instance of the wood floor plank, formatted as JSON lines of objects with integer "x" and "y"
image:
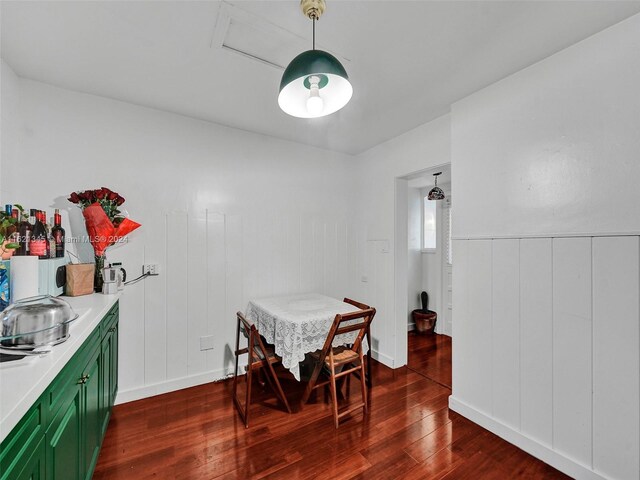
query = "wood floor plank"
{"x": 430, "y": 355}
{"x": 196, "y": 434}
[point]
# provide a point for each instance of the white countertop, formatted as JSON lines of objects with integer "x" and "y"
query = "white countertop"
{"x": 23, "y": 381}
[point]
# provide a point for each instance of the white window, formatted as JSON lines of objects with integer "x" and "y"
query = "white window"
{"x": 429, "y": 224}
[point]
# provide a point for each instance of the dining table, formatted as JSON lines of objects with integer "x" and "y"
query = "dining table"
{"x": 297, "y": 325}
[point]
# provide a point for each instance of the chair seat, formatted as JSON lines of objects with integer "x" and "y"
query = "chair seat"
{"x": 341, "y": 355}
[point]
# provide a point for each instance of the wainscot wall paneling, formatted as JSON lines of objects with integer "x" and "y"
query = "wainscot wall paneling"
{"x": 197, "y": 315}
{"x": 213, "y": 264}
{"x": 478, "y": 326}
{"x": 176, "y": 296}
{"x": 536, "y": 340}
{"x": 462, "y": 342}
{"x": 155, "y": 302}
{"x": 616, "y": 375}
{"x": 216, "y": 290}
{"x": 505, "y": 330}
{"x": 546, "y": 348}
{"x": 572, "y": 341}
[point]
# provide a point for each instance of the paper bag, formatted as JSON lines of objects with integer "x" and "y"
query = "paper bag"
{"x": 79, "y": 279}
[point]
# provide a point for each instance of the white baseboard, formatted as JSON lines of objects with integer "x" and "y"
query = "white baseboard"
{"x": 529, "y": 445}
{"x": 171, "y": 385}
{"x": 382, "y": 358}
{"x": 411, "y": 327}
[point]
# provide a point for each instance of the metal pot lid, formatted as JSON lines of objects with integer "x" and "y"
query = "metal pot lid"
{"x": 33, "y": 315}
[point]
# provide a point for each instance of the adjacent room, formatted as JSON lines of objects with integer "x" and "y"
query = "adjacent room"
{"x": 292, "y": 239}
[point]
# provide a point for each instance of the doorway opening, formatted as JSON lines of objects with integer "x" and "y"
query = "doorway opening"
{"x": 426, "y": 264}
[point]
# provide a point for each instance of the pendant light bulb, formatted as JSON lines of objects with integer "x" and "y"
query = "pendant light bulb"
{"x": 315, "y": 103}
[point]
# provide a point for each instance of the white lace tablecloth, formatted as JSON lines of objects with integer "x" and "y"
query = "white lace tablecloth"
{"x": 298, "y": 324}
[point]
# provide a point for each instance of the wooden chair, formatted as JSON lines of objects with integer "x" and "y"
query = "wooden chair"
{"x": 338, "y": 362}
{"x": 261, "y": 358}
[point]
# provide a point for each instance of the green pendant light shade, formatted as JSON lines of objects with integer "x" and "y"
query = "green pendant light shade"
{"x": 310, "y": 75}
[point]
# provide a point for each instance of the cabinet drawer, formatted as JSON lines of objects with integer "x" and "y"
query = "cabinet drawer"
{"x": 108, "y": 324}
{"x": 109, "y": 321}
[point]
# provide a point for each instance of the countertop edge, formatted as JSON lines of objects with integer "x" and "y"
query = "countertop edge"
{"x": 41, "y": 371}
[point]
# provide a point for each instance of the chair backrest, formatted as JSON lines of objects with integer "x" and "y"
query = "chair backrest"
{"x": 250, "y": 332}
{"x": 244, "y": 325}
{"x": 355, "y": 303}
{"x": 357, "y": 321}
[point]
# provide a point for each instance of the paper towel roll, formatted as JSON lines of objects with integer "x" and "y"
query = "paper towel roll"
{"x": 23, "y": 277}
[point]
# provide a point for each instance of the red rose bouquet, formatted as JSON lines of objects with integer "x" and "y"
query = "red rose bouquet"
{"x": 105, "y": 223}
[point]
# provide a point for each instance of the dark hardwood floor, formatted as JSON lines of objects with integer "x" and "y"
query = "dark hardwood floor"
{"x": 430, "y": 355}
{"x": 409, "y": 433}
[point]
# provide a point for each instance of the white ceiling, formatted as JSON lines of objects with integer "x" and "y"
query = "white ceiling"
{"x": 408, "y": 61}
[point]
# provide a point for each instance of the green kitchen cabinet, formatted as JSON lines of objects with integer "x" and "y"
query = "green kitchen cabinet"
{"x": 60, "y": 436}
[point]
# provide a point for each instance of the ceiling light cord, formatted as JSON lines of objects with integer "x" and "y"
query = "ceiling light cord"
{"x": 314, "y": 32}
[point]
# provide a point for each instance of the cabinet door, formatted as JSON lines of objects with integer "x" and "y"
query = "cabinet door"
{"x": 64, "y": 441}
{"x": 107, "y": 378}
{"x": 114, "y": 365}
{"x": 30, "y": 462}
{"x": 34, "y": 467}
{"x": 92, "y": 413}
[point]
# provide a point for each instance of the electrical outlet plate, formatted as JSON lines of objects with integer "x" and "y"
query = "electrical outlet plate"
{"x": 150, "y": 269}
{"x": 206, "y": 343}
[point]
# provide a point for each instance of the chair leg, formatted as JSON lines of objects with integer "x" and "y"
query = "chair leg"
{"x": 236, "y": 400}
{"x": 363, "y": 384}
{"x": 235, "y": 378}
{"x": 334, "y": 395}
{"x": 275, "y": 383}
{"x": 369, "y": 380}
{"x": 248, "y": 397}
{"x": 312, "y": 382}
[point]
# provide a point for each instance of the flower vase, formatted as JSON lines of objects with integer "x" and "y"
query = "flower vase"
{"x": 98, "y": 280}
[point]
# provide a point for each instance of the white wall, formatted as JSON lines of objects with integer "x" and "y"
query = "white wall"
{"x": 554, "y": 148}
{"x": 415, "y": 270}
{"x": 377, "y": 203}
{"x": 546, "y": 329}
{"x": 9, "y": 116}
{"x": 227, "y": 215}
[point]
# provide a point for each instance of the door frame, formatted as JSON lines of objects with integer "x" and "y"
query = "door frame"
{"x": 401, "y": 262}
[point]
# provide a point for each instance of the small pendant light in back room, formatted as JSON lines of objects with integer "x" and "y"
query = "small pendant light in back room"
{"x": 315, "y": 83}
{"x": 436, "y": 192}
